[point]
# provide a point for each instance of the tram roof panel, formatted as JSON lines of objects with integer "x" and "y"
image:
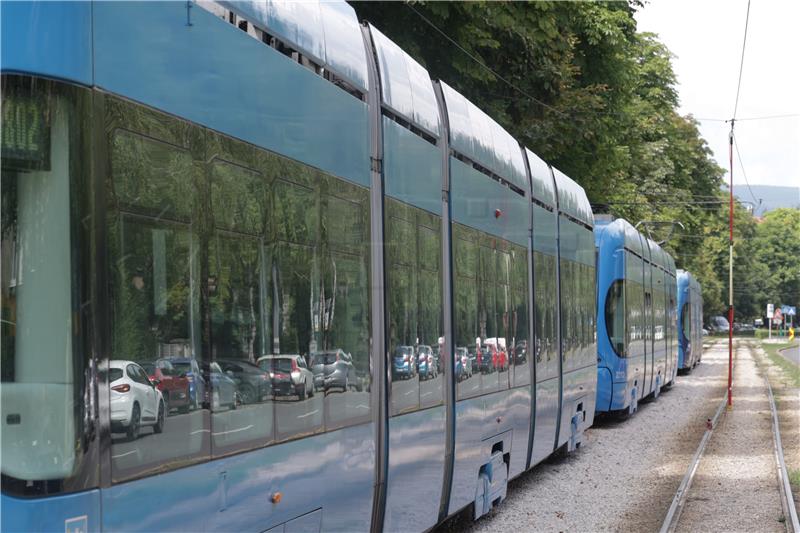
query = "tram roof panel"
{"x": 542, "y": 187}
{"x": 476, "y": 135}
{"x": 326, "y": 31}
{"x": 572, "y": 198}
{"x": 406, "y": 87}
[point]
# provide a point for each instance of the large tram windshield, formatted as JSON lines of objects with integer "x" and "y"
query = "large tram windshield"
{"x": 615, "y": 317}
{"x": 40, "y": 411}
{"x": 686, "y": 319}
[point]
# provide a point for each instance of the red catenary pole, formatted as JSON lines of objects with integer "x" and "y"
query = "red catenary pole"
{"x": 730, "y": 275}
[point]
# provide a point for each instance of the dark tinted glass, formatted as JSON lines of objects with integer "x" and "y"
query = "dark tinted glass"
{"x": 413, "y": 248}
{"x": 615, "y": 317}
{"x": 47, "y": 425}
{"x": 486, "y": 317}
{"x": 154, "y": 216}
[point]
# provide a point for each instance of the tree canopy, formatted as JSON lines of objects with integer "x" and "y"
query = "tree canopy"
{"x": 577, "y": 84}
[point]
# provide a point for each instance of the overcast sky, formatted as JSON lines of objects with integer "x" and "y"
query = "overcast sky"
{"x": 706, "y": 38}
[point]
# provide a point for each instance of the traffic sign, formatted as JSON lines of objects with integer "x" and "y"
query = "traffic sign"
{"x": 789, "y": 310}
{"x": 770, "y": 310}
{"x": 777, "y": 318}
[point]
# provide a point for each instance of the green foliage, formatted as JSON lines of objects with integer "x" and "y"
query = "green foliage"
{"x": 604, "y": 111}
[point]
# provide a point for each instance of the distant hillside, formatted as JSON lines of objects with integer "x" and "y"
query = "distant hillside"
{"x": 772, "y": 196}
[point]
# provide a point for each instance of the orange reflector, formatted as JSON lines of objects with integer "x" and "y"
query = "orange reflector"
{"x": 276, "y": 497}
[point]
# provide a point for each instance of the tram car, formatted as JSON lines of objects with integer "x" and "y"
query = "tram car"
{"x": 690, "y": 321}
{"x": 636, "y": 325}
{"x": 277, "y": 205}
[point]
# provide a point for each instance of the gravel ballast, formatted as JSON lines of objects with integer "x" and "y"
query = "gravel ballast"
{"x": 625, "y": 474}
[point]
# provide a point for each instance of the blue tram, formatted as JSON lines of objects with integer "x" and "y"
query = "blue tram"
{"x": 276, "y": 207}
{"x": 690, "y": 321}
{"x": 637, "y": 342}
{"x": 259, "y": 199}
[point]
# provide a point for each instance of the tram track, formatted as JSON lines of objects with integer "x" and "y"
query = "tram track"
{"x": 787, "y": 499}
{"x": 673, "y": 519}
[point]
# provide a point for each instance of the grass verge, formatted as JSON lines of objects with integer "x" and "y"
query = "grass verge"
{"x": 791, "y": 370}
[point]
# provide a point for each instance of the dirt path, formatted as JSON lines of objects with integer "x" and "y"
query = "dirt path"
{"x": 736, "y": 487}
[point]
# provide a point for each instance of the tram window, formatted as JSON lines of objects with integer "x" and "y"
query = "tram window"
{"x": 519, "y": 350}
{"x": 615, "y": 317}
{"x": 686, "y": 320}
{"x": 155, "y": 294}
{"x": 468, "y": 371}
{"x": 238, "y": 301}
{"x": 415, "y": 332}
{"x": 41, "y": 365}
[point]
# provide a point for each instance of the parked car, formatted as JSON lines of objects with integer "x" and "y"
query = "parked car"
{"x": 334, "y": 369}
{"x": 173, "y": 384}
{"x": 718, "y": 324}
{"x": 253, "y": 383}
{"x": 404, "y": 363}
{"x": 135, "y": 401}
{"x": 289, "y": 374}
{"x": 463, "y": 364}
{"x": 223, "y": 392}
{"x": 426, "y": 363}
{"x": 197, "y": 383}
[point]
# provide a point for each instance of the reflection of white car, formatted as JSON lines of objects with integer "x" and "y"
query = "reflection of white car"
{"x": 135, "y": 401}
{"x": 289, "y": 374}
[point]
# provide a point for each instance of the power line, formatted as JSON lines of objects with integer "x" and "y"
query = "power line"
{"x": 741, "y": 63}
{"x": 744, "y": 174}
{"x": 482, "y": 64}
{"x": 764, "y": 117}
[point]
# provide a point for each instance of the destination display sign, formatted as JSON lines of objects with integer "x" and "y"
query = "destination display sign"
{"x": 25, "y": 132}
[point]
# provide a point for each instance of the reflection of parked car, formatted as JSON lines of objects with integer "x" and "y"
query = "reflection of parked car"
{"x": 333, "y": 369}
{"x": 174, "y": 385}
{"x": 223, "y": 392}
{"x": 426, "y": 364}
{"x": 463, "y": 364}
{"x": 404, "y": 362}
{"x": 484, "y": 359}
{"x": 135, "y": 401}
{"x": 197, "y": 384}
{"x": 521, "y": 353}
{"x": 252, "y": 382}
{"x": 289, "y": 374}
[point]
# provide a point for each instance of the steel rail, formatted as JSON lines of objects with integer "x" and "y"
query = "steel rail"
{"x": 787, "y": 501}
{"x": 679, "y": 501}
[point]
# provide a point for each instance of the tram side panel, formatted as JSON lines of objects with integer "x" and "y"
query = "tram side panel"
{"x": 546, "y": 320}
{"x": 492, "y": 408}
{"x": 416, "y": 359}
{"x": 579, "y": 360}
{"x": 314, "y": 232}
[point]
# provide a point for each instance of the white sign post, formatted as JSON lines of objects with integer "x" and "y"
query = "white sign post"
{"x": 770, "y": 311}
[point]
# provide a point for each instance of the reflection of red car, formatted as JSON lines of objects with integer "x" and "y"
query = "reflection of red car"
{"x": 499, "y": 358}
{"x": 173, "y": 384}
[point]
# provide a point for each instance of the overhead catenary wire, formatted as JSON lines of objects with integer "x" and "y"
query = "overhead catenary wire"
{"x": 741, "y": 63}
{"x": 765, "y": 117}
{"x": 744, "y": 174}
{"x": 482, "y": 64}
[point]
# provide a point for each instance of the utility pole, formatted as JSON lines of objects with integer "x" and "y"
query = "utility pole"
{"x": 730, "y": 275}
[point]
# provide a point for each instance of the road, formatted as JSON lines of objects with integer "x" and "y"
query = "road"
{"x": 792, "y": 354}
